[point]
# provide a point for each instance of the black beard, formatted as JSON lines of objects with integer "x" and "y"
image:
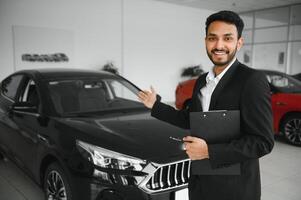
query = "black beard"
{"x": 231, "y": 56}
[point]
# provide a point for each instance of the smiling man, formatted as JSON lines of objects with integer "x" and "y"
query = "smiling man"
{"x": 230, "y": 85}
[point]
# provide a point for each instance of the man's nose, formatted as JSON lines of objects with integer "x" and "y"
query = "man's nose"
{"x": 219, "y": 44}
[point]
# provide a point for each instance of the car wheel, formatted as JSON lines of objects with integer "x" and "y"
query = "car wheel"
{"x": 56, "y": 184}
{"x": 291, "y": 129}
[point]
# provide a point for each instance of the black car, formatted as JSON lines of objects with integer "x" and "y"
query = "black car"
{"x": 83, "y": 135}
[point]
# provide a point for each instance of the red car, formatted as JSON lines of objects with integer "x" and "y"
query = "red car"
{"x": 286, "y": 103}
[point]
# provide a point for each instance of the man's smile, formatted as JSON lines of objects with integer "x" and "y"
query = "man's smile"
{"x": 220, "y": 52}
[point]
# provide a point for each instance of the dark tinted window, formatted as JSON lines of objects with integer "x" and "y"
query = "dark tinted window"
{"x": 80, "y": 96}
{"x": 29, "y": 93}
{"x": 10, "y": 85}
{"x": 284, "y": 83}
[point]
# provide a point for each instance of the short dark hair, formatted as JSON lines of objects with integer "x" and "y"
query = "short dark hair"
{"x": 228, "y": 17}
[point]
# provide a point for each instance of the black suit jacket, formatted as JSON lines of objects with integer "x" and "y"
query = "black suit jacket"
{"x": 241, "y": 88}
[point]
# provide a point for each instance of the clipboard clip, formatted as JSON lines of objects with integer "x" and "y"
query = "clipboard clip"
{"x": 224, "y": 112}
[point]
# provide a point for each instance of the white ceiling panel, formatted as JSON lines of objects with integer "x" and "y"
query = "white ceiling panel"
{"x": 235, "y": 5}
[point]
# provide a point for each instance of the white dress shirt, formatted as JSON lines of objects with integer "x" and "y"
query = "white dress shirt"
{"x": 211, "y": 83}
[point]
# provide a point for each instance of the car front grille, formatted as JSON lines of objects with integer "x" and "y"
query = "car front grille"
{"x": 168, "y": 176}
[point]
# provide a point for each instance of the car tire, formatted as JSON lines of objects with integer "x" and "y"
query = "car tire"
{"x": 56, "y": 184}
{"x": 291, "y": 129}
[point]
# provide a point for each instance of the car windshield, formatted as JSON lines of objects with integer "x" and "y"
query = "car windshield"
{"x": 284, "y": 83}
{"x": 86, "y": 95}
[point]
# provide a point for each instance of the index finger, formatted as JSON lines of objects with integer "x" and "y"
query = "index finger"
{"x": 189, "y": 139}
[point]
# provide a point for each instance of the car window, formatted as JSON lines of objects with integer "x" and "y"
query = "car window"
{"x": 29, "y": 93}
{"x": 80, "y": 96}
{"x": 10, "y": 86}
{"x": 119, "y": 90}
{"x": 284, "y": 83}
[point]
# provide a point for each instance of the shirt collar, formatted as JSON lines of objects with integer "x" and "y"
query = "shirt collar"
{"x": 211, "y": 76}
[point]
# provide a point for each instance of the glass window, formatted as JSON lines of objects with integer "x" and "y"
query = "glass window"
{"x": 10, "y": 86}
{"x": 244, "y": 55}
{"x": 283, "y": 82}
{"x": 296, "y": 58}
{"x": 81, "y": 96}
{"x": 295, "y": 32}
{"x": 271, "y": 34}
{"x": 270, "y": 56}
{"x": 30, "y": 93}
{"x": 120, "y": 92}
{"x": 296, "y": 15}
{"x": 247, "y": 35}
{"x": 248, "y": 20}
{"x": 272, "y": 17}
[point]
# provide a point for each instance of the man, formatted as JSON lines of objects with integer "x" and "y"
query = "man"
{"x": 230, "y": 85}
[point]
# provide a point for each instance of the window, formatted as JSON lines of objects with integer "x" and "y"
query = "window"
{"x": 10, "y": 86}
{"x": 295, "y": 32}
{"x": 120, "y": 91}
{"x": 295, "y": 58}
{"x": 283, "y": 82}
{"x": 80, "y": 96}
{"x": 272, "y": 39}
{"x": 272, "y": 17}
{"x": 270, "y": 56}
{"x": 247, "y": 35}
{"x": 30, "y": 94}
{"x": 248, "y": 20}
{"x": 244, "y": 55}
{"x": 271, "y": 34}
{"x": 296, "y": 15}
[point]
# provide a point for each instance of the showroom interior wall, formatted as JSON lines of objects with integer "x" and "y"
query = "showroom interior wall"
{"x": 150, "y": 42}
{"x": 273, "y": 39}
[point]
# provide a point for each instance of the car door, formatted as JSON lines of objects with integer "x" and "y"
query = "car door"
{"x": 8, "y": 128}
{"x": 28, "y": 123}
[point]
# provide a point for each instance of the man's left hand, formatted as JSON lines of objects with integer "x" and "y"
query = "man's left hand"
{"x": 196, "y": 148}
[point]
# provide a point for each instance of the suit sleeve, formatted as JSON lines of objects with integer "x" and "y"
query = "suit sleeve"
{"x": 257, "y": 137}
{"x": 169, "y": 114}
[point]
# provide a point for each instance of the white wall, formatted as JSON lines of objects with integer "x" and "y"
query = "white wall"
{"x": 149, "y": 41}
{"x": 159, "y": 40}
{"x": 95, "y": 25}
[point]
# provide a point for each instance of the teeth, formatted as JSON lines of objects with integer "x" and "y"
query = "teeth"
{"x": 219, "y": 52}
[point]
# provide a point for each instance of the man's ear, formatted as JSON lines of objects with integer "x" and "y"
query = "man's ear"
{"x": 240, "y": 43}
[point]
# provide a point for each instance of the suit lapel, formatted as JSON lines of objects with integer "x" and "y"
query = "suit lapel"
{"x": 221, "y": 84}
{"x": 197, "y": 99}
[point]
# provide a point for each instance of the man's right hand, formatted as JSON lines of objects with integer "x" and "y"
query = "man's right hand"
{"x": 148, "y": 98}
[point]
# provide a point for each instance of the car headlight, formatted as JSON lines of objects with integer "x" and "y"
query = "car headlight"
{"x": 109, "y": 159}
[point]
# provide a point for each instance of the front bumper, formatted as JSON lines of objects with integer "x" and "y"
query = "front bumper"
{"x": 159, "y": 182}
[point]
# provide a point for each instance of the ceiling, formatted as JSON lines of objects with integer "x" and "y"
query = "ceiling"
{"x": 234, "y": 5}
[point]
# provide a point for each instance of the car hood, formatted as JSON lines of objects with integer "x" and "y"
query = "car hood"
{"x": 134, "y": 134}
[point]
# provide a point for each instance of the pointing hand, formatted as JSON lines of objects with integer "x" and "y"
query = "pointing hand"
{"x": 148, "y": 98}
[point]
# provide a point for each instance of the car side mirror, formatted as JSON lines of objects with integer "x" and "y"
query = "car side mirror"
{"x": 24, "y": 107}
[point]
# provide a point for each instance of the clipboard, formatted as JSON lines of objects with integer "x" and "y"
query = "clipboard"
{"x": 220, "y": 126}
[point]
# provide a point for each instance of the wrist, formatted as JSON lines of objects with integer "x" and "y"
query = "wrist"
{"x": 206, "y": 151}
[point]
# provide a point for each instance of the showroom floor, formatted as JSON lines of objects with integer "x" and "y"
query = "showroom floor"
{"x": 281, "y": 177}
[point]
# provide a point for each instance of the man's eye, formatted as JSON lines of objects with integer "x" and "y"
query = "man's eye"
{"x": 228, "y": 38}
{"x": 211, "y": 38}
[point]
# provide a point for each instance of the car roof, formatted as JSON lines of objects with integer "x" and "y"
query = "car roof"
{"x": 270, "y": 71}
{"x": 61, "y": 73}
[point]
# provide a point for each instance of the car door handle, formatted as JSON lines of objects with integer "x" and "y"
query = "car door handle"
{"x": 279, "y": 103}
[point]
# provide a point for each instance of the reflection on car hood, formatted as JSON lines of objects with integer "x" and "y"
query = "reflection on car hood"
{"x": 135, "y": 134}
